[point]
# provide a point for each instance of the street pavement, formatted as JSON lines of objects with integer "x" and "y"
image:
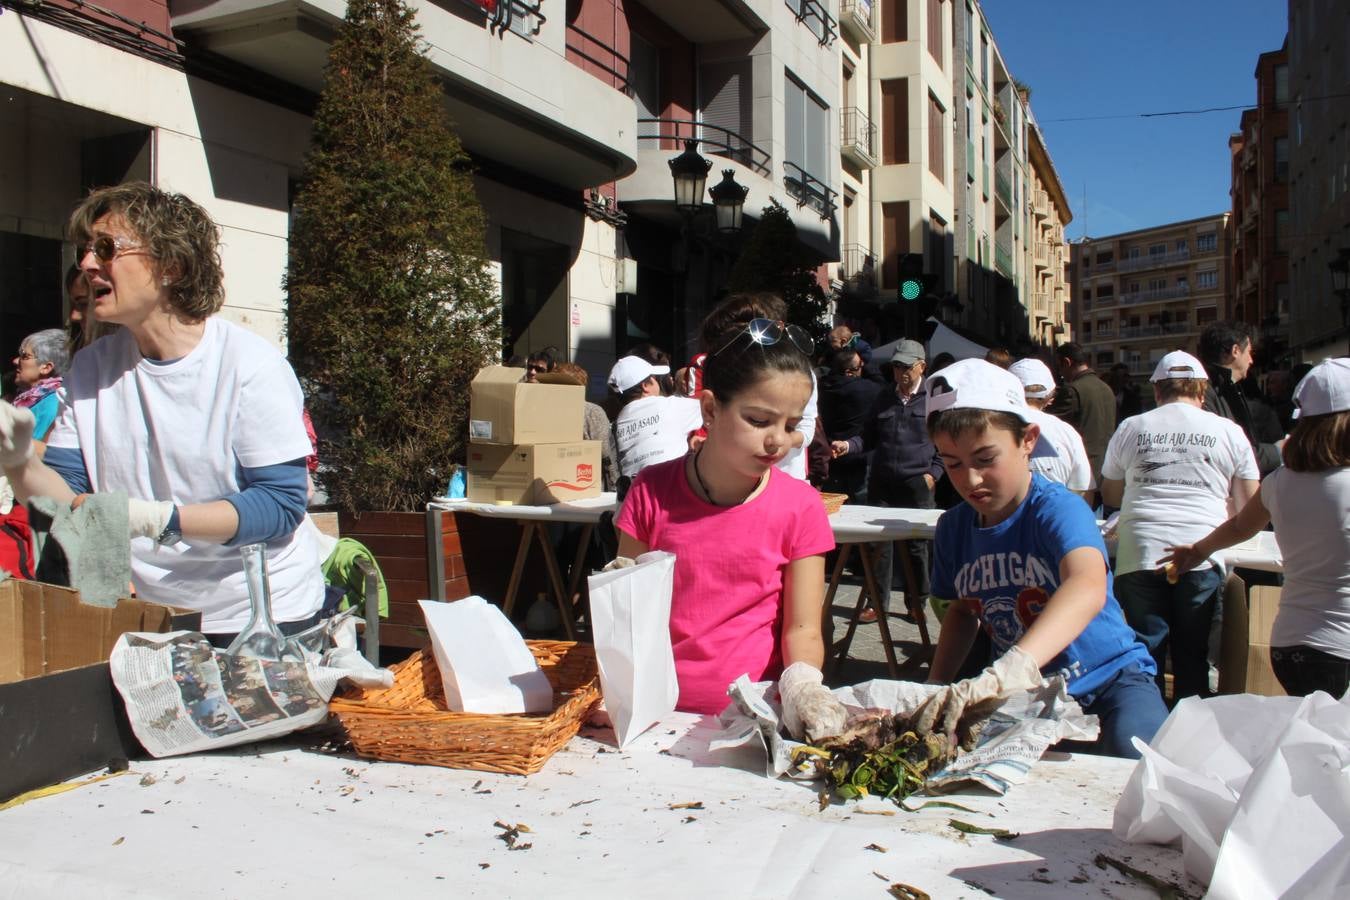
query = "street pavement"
{"x": 866, "y": 657}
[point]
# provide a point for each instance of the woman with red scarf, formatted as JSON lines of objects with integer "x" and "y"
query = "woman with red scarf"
{"x": 43, "y": 358}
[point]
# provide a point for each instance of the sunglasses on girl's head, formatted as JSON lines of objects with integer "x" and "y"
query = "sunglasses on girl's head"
{"x": 106, "y": 247}
{"x": 767, "y": 332}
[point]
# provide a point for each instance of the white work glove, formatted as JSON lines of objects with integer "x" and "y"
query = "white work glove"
{"x": 957, "y": 709}
{"x": 809, "y": 709}
{"x": 619, "y": 562}
{"x": 16, "y": 435}
{"x": 148, "y": 518}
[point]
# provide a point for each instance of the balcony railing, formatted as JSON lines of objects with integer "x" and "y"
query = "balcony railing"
{"x": 970, "y": 160}
{"x": 596, "y": 54}
{"x": 715, "y": 139}
{"x": 1153, "y": 296}
{"x": 859, "y": 17}
{"x": 1042, "y": 252}
{"x": 1003, "y": 189}
{"x": 859, "y": 137}
{"x": 816, "y": 18}
{"x": 1134, "y": 332}
{"x": 808, "y": 190}
{"x": 1003, "y": 260}
{"x": 1206, "y": 249}
{"x": 520, "y": 17}
{"x": 1040, "y": 204}
{"x": 856, "y": 263}
{"x": 1154, "y": 260}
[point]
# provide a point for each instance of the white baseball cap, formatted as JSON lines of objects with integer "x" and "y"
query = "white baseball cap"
{"x": 631, "y": 371}
{"x": 1324, "y": 390}
{"x": 1037, "y": 382}
{"x": 976, "y": 384}
{"x": 1178, "y": 364}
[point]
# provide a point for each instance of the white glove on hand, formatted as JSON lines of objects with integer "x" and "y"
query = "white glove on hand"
{"x": 16, "y": 435}
{"x": 809, "y": 709}
{"x": 618, "y": 562}
{"x": 148, "y": 518}
{"x": 969, "y": 702}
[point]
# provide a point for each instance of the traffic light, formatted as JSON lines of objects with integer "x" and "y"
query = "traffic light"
{"x": 913, "y": 282}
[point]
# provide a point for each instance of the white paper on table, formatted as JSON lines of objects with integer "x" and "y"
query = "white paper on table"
{"x": 630, "y": 624}
{"x": 485, "y": 665}
{"x": 1256, "y": 789}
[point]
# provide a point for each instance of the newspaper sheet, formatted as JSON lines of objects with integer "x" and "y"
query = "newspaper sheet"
{"x": 1012, "y": 740}
{"x": 183, "y": 696}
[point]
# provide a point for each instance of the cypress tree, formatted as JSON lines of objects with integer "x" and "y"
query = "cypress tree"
{"x": 773, "y": 260}
{"x": 391, "y": 307}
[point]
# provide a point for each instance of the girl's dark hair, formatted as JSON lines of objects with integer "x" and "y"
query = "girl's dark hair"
{"x": 735, "y": 361}
{"x": 956, "y": 422}
{"x": 1318, "y": 443}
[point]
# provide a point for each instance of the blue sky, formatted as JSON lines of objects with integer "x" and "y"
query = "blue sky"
{"x": 1098, "y": 57}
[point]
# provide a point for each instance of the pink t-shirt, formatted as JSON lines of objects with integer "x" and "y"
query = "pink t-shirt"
{"x": 726, "y": 613}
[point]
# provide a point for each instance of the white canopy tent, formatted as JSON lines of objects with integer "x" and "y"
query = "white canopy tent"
{"x": 943, "y": 340}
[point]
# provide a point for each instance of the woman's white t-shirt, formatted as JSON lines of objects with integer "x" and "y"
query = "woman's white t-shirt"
{"x": 1178, "y": 463}
{"x": 654, "y": 429}
{"x": 180, "y": 431}
{"x": 1311, "y": 515}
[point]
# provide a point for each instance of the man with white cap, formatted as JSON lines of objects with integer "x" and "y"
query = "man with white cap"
{"x": 649, "y": 428}
{"x": 1069, "y": 466}
{"x": 1173, "y": 472}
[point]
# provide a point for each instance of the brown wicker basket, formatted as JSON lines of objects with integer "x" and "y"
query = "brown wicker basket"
{"x": 409, "y": 722}
{"x": 832, "y": 502}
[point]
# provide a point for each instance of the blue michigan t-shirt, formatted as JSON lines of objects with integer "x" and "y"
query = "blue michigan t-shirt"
{"x": 1008, "y": 572}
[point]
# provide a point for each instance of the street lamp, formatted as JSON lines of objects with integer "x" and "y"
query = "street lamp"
{"x": 728, "y": 199}
{"x": 690, "y": 173}
{"x": 1340, "y": 282}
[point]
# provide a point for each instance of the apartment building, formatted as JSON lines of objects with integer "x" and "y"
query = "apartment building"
{"x": 756, "y": 84}
{"x": 1050, "y": 214}
{"x": 1260, "y": 223}
{"x": 1140, "y": 294}
{"x": 1319, "y": 176}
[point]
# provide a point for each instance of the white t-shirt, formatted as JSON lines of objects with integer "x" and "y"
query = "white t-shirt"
{"x": 1069, "y": 466}
{"x": 653, "y": 430}
{"x": 1311, "y": 514}
{"x": 1178, "y": 463}
{"x": 794, "y": 463}
{"x": 180, "y": 431}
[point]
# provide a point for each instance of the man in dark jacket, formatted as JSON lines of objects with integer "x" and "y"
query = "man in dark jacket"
{"x": 845, "y": 402}
{"x": 1085, "y": 402}
{"x": 1226, "y": 350}
{"x": 905, "y": 464}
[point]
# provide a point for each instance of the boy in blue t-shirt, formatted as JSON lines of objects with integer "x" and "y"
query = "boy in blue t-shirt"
{"x": 1023, "y": 558}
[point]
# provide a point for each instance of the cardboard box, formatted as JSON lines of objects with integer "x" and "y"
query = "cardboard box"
{"x": 60, "y": 715}
{"x": 505, "y": 410}
{"x": 1263, "y": 603}
{"x": 534, "y": 474}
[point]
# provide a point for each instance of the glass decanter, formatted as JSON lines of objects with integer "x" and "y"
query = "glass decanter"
{"x": 260, "y": 638}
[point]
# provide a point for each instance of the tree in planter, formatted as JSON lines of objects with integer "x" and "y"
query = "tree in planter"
{"x": 391, "y": 309}
{"x": 773, "y": 260}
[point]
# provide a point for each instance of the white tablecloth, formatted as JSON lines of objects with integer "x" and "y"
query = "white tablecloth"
{"x": 587, "y": 510}
{"x": 276, "y": 820}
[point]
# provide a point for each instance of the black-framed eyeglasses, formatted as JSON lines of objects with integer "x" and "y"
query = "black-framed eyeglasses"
{"x": 767, "y": 332}
{"x": 106, "y": 247}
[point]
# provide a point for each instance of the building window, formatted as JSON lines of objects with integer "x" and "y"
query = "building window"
{"x": 970, "y": 33}
{"x": 1281, "y": 231}
{"x": 894, "y": 21}
{"x": 1106, "y": 257}
{"x": 807, "y": 124}
{"x": 984, "y": 60}
{"x": 1281, "y": 85}
{"x": 894, "y": 121}
{"x": 1282, "y": 159}
{"x": 1157, "y": 284}
{"x": 1181, "y": 246}
{"x": 1105, "y": 326}
{"x": 1105, "y": 290}
{"x": 894, "y": 241}
{"x": 1206, "y": 243}
{"x": 935, "y": 43}
{"x": 1157, "y": 250}
{"x": 1206, "y": 315}
{"x": 937, "y": 139}
{"x": 1206, "y": 281}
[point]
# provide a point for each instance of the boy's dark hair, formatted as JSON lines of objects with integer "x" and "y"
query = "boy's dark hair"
{"x": 940, "y": 362}
{"x": 1219, "y": 337}
{"x": 956, "y": 422}
{"x": 1318, "y": 443}
{"x": 730, "y": 316}
{"x": 548, "y": 356}
{"x": 999, "y": 356}
{"x": 841, "y": 360}
{"x": 657, "y": 357}
{"x": 1170, "y": 389}
{"x": 1074, "y": 352}
{"x": 734, "y": 360}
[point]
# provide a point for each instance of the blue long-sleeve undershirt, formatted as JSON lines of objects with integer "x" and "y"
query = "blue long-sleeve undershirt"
{"x": 270, "y": 502}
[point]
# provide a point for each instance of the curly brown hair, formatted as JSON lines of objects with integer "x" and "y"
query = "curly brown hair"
{"x": 179, "y": 236}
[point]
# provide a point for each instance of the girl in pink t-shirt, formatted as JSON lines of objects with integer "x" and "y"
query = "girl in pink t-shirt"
{"x": 749, "y": 540}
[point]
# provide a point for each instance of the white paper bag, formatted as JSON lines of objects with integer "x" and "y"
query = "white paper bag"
{"x": 1257, "y": 789}
{"x": 630, "y": 623}
{"x": 485, "y": 665}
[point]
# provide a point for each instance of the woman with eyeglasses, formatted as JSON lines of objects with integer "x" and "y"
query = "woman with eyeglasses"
{"x": 42, "y": 360}
{"x": 196, "y": 420}
{"x": 749, "y": 540}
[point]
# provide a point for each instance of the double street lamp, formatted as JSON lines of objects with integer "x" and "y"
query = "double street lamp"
{"x": 689, "y": 171}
